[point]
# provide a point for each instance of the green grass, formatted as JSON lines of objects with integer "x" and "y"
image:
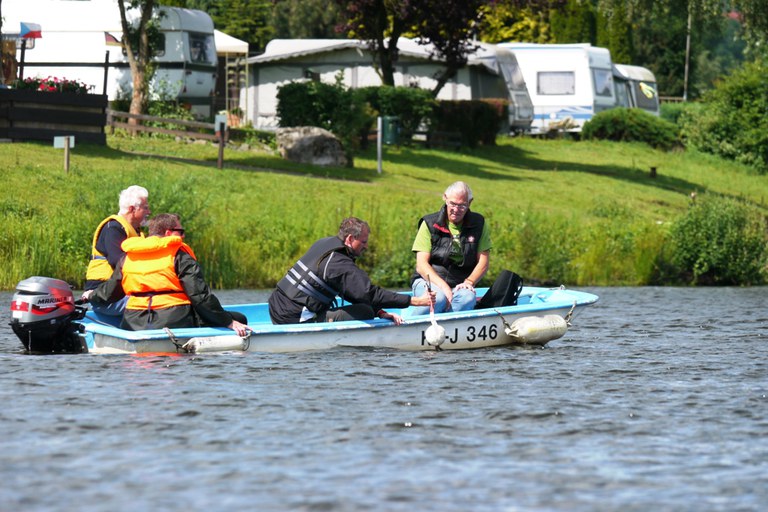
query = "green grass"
{"x": 561, "y": 211}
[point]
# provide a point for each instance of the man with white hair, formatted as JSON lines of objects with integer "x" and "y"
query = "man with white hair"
{"x": 106, "y": 248}
{"x": 452, "y": 249}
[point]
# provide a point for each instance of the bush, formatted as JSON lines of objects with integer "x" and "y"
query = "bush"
{"x": 672, "y": 112}
{"x": 720, "y": 241}
{"x": 475, "y": 121}
{"x": 329, "y": 106}
{"x": 631, "y": 125}
{"x": 412, "y": 107}
{"x": 733, "y": 123}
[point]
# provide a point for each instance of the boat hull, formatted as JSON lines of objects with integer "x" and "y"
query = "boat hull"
{"x": 464, "y": 330}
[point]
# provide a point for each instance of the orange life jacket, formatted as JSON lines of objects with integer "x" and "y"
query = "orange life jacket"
{"x": 149, "y": 278}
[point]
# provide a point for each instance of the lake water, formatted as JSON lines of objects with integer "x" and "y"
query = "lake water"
{"x": 656, "y": 399}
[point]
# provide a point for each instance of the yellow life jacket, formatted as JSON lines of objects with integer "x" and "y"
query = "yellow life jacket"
{"x": 99, "y": 268}
{"x": 149, "y": 277}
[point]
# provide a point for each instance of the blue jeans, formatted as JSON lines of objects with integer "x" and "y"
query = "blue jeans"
{"x": 463, "y": 299}
{"x": 112, "y": 309}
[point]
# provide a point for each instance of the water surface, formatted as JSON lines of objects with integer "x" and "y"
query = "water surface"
{"x": 656, "y": 399}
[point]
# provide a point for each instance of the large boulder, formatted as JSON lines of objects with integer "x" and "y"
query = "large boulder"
{"x": 310, "y": 145}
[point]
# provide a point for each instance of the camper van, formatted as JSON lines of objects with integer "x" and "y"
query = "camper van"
{"x": 567, "y": 83}
{"x": 520, "y": 104}
{"x": 636, "y": 88}
{"x": 80, "y": 41}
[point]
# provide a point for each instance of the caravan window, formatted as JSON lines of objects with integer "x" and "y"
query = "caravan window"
{"x": 646, "y": 95}
{"x": 603, "y": 81}
{"x": 555, "y": 82}
{"x": 200, "y": 48}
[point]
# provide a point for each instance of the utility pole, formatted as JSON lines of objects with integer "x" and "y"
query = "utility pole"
{"x": 687, "y": 55}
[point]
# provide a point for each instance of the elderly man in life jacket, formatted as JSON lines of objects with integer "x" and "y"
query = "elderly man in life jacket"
{"x": 164, "y": 283}
{"x": 111, "y": 232}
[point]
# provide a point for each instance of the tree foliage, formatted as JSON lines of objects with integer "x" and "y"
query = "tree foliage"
{"x": 448, "y": 25}
{"x": 732, "y": 123}
{"x": 306, "y": 19}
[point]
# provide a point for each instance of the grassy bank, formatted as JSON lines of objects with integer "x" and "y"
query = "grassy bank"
{"x": 579, "y": 213}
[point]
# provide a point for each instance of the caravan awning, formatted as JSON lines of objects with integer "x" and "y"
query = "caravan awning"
{"x": 228, "y": 45}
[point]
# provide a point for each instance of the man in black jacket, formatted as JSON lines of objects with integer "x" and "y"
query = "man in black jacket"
{"x": 308, "y": 291}
{"x": 452, "y": 250}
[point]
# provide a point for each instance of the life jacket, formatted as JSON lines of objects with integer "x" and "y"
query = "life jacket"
{"x": 442, "y": 241}
{"x": 304, "y": 283}
{"x": 99, "y": 268}
{"x": 149, "y": 277}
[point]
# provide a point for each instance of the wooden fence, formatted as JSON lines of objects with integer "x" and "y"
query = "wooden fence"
{"x": 177, "y": 127}
{"x": 37, "y": 115}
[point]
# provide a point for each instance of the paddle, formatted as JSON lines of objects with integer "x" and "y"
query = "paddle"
{"x": 435, "y": 334}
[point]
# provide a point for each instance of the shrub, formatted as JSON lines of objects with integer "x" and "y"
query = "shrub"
{"x": 672, "y": 112}
{"x": 329, "y": 106}
{"x": 733, "y": 124}
{"x": 720, "y": 241}
{"x": 631, "y": 125}
{"x": 412, "y": 107}
{"x": 475, "y": 121}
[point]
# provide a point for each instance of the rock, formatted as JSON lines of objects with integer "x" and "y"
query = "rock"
{"x": 310, "y": 145}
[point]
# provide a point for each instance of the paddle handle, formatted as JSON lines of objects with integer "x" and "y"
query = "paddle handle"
{"x": 431, "y": 302}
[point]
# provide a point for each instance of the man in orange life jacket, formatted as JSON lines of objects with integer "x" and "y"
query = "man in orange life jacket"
{"x": 164, "y": 283}
{"x": 106, "y": 248}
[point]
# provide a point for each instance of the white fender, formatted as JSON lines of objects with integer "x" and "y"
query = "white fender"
{"x": 216, "y": 344}
{"x": 435, "y": 335}
{"x": 537, "y": 330}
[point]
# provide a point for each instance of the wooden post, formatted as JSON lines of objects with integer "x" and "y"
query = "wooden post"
{"x": 221, "y": 133}
{"x": 379, "y": 126}
{"x": 21, "y": 62}
{"x": 66, "y": 155}
{"x": 653, "y": 172}
{"x": 106, "y": 72}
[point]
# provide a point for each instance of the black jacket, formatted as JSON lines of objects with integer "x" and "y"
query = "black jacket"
{"x": 331, "y": 264}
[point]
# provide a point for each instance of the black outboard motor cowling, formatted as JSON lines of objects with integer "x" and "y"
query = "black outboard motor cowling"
{"x": 42, "y": 312}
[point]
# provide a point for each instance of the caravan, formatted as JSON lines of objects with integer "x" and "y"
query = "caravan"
{"x": 567, "y": 83}
{"x": 636, "y": 88}
{"x": 490, "y": 73}
{"x": 80, "y": 41}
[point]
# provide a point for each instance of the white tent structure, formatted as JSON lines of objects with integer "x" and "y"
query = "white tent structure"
{"x": 228, "y": 45}
{"x": 233, "y": 54}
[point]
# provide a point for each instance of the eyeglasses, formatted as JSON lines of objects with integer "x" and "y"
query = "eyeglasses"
{"x": 179, "y": 231}
{"x": 458, "y": 206}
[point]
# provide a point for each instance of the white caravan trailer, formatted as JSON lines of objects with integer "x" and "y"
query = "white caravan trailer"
{"x": 520, "y": 104}
{"x": 636, "y": 88}
{"x": 567, "y": 83}
{"x": 80, "y": 39}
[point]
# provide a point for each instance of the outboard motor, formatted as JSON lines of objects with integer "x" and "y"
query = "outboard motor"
{"x": 42, "y": 314}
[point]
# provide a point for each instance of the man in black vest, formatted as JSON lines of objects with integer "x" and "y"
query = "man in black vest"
{"x": 452, "y": 250}
{"x": 308, "y": 291}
